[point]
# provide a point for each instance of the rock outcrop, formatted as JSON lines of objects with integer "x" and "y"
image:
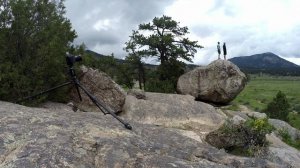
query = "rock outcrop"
{"x": 244, "y": 112}
{"x": 281, "y": 152}
{"x": 138, "y": 93}
{"x": 219, "y": 82}
{"x": 173, "y": 110}
{"x": 284, "y": 126}
{"x": 102, "y": 87}
{"x": 38, "y": 137}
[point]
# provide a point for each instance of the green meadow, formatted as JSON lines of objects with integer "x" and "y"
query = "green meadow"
{"x": 261, "y": 89}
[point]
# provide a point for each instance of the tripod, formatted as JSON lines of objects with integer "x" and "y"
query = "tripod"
{"x": 70, "y": 59}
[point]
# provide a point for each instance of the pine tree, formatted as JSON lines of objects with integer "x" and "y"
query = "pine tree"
{"x": 279, "y": 107}
{"x": 165, "y": 40}
{"x": 134, "y": 62}
{"x": 35, "y": 35}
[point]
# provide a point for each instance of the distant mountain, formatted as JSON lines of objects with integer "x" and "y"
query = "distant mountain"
{"x": 266, "y": 63}
{"x": 95, "y": 54}
{"x": 101, "y": 56}
{"x": 262, "y": 61}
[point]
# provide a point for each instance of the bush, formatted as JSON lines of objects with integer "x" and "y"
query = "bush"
{"x": 258, "y": 128}
{"x": 297, "y": 108}
{"x": 247, "y": 138}
{"x": 155, "y": 84}
{"x": 165, "y": 86}
{"x": 278, "y": 108}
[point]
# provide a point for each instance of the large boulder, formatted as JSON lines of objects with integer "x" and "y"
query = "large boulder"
{"x": 173, "y": 110}
{"x": 219, "y": 82}
{"x": 38, "y": 137}
{"x": 102, "y": 87}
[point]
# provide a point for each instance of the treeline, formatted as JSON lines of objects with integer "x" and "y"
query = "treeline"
{"x": 35, "y": 36}
{"x": 126, "y": 72}
{"x": 293, "y": 71}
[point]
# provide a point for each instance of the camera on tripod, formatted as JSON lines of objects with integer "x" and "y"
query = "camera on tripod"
{"x": 71, "y": 59}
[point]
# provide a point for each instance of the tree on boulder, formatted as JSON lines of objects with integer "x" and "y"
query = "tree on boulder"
{"x": 164, "y": 39}
{"x": 279, "y": 107}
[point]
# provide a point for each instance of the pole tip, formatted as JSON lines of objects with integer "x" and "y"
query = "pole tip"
{"x": 128, "y": 126}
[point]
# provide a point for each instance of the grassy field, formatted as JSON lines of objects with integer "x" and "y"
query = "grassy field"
{"x": 262, "y": 89}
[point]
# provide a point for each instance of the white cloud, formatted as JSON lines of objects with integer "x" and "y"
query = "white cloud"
{"x": 105, "y": 25}
{"x": 247, "y": 26}
{"x": 293, "y": 59}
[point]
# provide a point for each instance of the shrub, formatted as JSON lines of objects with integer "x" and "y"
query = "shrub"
{"x": 165, "y": 86}
{"x": 247, "y": 138}
{"x": 297, "y": 108}
{"x": 258, "y": 128}
{"x": 278, "y": 108}
{"x": 155, "y": 84}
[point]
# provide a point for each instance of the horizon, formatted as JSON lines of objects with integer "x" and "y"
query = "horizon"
{"x": 247, "y": 27}
{"x": 192, "y": 63}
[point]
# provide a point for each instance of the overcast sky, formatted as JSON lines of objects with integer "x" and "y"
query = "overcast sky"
{"x": 247, "y": 26}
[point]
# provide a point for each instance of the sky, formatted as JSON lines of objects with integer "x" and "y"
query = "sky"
{"x": 247, "y": 26}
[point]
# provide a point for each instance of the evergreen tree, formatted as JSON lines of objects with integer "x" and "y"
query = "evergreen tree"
{"x": 279, "y": 107}
{"x": 165, "y": 40}
{"x": 134, "y": 61}
{"x": 34, "y": 37}
{"x": 125, "y": 74}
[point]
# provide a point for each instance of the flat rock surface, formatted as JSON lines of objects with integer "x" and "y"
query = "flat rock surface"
{"x": 173, "y": 110}
{"x": 40, "y": 137}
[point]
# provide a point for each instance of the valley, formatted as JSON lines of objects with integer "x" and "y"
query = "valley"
{"x": 261, "y": 89}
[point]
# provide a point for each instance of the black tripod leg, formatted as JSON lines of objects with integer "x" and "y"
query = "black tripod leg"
{"x": 102, "y": 107}
{"x": 49, "y": 90}
{"x": 79, "y": 95}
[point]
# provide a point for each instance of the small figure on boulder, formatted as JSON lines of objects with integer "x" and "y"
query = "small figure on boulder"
{"x": 219, "y": 50}
{"x": 224, "y": 51}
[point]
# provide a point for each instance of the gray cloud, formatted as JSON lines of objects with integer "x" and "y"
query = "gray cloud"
{"x": 105, "y": 25}
{"x": 203, "y": 30}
